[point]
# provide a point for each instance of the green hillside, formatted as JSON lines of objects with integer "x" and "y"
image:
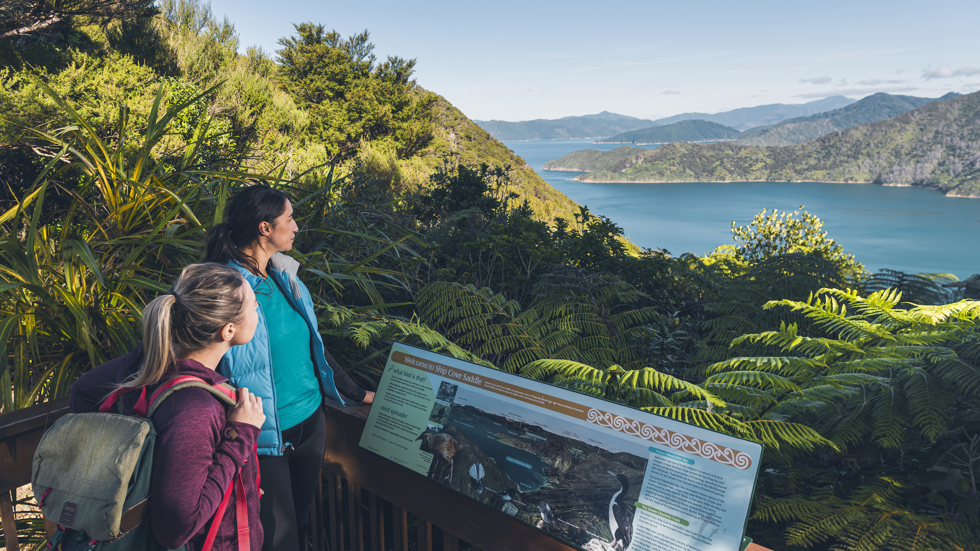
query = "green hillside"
{"x": 877, "y": 107}
{"x": 458, "y": 138}
{"x": 588, "y": 160}
{"x": 935, "y": 146}
{"x": 325, "y": 103}
{"x": 684, "y": 131}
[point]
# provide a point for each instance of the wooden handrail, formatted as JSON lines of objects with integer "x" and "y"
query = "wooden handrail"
{"x": 366, "y": 502}
{"x": 20, "y": 432}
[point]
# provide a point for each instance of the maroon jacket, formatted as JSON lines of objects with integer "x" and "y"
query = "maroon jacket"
{"x": 197, "y": 455}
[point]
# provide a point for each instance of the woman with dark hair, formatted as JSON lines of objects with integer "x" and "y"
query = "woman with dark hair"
{"x": 285, "y": 363}
{"x": 199, "y": 447}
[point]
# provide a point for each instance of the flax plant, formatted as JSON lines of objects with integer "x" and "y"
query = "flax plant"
{"x": 72, "y": 288}
{"x": 73, "y": 282}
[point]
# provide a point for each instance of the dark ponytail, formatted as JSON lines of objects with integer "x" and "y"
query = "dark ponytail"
{"x": 243, "y": 214}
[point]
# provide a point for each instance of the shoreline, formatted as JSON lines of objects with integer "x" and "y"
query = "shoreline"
{"x": 545, "y": 139}
{"x": 665, "y": 143}
{"x": 944, "y": 194}
{"x": 731, "y": 182}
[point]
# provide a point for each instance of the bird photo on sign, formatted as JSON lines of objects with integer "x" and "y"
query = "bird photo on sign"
{"x": 509, "y": 457}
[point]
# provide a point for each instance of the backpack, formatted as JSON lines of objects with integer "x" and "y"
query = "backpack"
{"x": 92, "y": 473}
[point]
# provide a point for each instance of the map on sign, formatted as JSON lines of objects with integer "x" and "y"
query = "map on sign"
{"x": 596, "y": 474}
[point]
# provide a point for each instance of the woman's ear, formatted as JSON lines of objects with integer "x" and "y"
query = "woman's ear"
{"x": 228, "y": 331}
{"x": 265, "y": 228}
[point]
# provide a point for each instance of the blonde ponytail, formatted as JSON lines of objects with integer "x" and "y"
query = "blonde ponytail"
{"x": 158, "y": 350}
{"x": 204, "y": 298}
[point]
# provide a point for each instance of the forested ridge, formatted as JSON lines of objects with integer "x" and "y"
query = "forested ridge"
{"x": 874, "y": 108}
{"x": 588, "y": 160}
{"x": 128, "y": 125}
{"x": 683, "y": 131}
{"x": 934, "y": 146}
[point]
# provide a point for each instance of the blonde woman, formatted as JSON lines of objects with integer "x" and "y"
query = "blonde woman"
{"x": 199, "y": 446}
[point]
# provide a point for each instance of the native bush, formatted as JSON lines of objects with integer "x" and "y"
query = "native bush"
{"x": 896, "y": 390}
{"x": 771, "y": 235}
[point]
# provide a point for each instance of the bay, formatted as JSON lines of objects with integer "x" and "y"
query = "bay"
{"x": 909, "y": 229}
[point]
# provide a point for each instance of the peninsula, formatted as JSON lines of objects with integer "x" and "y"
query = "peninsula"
{"x": 935, "y": 146}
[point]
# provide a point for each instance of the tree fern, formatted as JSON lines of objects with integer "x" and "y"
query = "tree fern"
{"x": 886, "y": 382}
{"x": 916, "y": 289}
{"x": 736, "y": 303}
{"x": 869, "y": 518}
{"x": 576, "y": 316}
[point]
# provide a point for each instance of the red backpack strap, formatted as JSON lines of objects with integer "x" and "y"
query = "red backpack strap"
{"x": 241, "y": 513}
{"x": 223, "y": 391}
{"x": 229, "y": 395}
{"x": 240, "y": 505}
{"x": 141, "y": 404}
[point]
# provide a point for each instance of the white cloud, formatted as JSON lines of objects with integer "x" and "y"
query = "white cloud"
{"x": 946, "y": 72}
{"x": 816, "y": 80}
{"x": 878, "y": 81}
{"x": 671, "y": 92}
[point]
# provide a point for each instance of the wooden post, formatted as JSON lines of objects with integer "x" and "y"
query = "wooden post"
{"x": 9, "y": 523}
{"x": 423, "y": 534}
{"x": 318, "y": 516}
{"x": 356, "y": 519}
{"x": 449, "y": 542}
{"x": 399, "y": 521}
{"x": 377, "y": 523}
{"x": 336, "y": 526}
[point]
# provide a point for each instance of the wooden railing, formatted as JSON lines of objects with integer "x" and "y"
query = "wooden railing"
{"x": 365, "y": 502}
{"x": 20, "y": 432}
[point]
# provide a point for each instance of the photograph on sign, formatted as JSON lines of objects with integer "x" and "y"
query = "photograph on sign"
{"x": 596, "y": 474}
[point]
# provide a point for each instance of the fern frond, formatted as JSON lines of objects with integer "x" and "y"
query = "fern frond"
{"x": 889, "y": 418}
{"x": 709, "y": 420}
{"x": 780, "y": 433}
{"x": 786, "y": 365}
{"x": 542, "y": 370}
{"x": 758, "y": 379}
{"x": 651, "y": 379}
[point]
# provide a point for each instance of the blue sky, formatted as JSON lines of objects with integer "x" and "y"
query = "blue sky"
{"x": 519, "y": 60}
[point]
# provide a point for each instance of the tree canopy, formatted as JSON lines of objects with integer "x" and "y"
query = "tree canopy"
{"x": 350, "y": 96}
{"x": 25, "y": 17}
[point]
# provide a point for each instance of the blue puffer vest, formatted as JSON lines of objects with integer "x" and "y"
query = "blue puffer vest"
{"x": 250, "y": 365}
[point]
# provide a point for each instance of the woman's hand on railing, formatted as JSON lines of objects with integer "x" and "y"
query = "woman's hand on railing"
{"x": 248, "y": 410}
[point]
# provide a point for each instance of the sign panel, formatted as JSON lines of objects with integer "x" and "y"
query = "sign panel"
{"x": 597, "y": 474}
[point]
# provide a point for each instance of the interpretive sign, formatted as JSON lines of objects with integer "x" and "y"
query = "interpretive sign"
{"x": 599, "y": 475}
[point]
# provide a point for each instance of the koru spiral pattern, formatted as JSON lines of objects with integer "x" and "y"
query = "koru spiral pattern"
{"x": 664, "y": 437}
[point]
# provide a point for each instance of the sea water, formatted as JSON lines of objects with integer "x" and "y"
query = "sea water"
{"x": 909, "y": 229}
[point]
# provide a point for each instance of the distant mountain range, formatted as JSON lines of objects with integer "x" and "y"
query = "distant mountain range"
{"x": 608, "y": 124}
{"x": 567, "y": 128}
{"x": 935, "y": 146}
{"x": 762, "y": 115}
{"x": 684, "y": 131}
{"x": 877, "y": 107}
